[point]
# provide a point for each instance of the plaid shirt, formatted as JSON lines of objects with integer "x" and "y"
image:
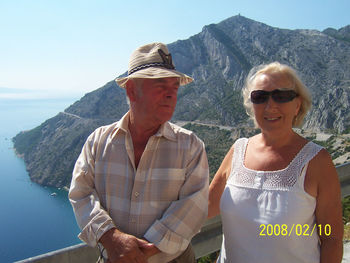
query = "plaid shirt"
{"x": 164, "y": 200}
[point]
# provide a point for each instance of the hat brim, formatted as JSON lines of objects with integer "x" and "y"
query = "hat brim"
{"x": 155, "y": 73}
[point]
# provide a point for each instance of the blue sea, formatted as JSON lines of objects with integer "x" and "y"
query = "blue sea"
{"x": 32, "y": 220}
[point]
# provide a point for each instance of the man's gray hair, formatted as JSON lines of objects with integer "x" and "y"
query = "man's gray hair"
{"x": 138, "y": 83}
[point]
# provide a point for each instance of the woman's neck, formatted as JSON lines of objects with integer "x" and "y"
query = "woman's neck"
{"x": 278, "y": 140}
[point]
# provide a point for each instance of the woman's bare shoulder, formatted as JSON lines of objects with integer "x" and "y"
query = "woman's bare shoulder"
{"x": 321, "y": 168}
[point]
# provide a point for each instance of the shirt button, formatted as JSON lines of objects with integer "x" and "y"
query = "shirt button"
{"x": 258, "y": 180}
{"x": 137, "y": 194}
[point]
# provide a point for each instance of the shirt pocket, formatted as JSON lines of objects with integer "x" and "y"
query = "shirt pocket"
{"x": 165, "y": 184}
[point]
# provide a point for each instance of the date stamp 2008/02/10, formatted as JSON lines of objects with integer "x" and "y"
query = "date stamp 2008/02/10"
{"x": 298, "y": 229}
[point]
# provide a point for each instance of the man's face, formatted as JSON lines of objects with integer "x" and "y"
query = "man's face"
{"x": 156, "y": 99}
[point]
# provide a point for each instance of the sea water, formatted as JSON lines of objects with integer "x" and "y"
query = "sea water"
{"x": 33, "y": 219}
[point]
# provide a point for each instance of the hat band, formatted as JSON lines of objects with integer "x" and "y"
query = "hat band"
{"x": 148, "y": 65}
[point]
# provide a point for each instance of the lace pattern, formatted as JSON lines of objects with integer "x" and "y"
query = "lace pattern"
{"x": 283, "y": 179}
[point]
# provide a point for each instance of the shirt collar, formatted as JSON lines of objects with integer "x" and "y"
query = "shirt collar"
{"x": 122, "y": 125}
{"x": 166, "y": 130}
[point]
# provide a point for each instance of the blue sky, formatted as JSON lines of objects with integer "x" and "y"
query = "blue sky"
{"x": 66, "y": 48}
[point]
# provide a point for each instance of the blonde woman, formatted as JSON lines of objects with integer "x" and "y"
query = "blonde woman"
{"x": 278, "y": 194}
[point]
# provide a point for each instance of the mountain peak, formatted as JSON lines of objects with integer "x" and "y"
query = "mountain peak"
{"x": 218, "y": 58}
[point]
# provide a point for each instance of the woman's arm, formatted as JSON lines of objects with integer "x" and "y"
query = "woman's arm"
{"x": 218, "y": 183}
{"x": 328, "y": 207}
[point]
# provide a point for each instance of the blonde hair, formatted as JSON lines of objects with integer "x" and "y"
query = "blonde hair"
{"x": 282, "y": 70}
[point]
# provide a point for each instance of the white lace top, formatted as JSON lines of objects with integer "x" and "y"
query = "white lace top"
{"x": 267, "y": 216}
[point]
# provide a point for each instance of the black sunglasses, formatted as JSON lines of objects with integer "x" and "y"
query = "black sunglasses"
{"x": 279, "y": 96}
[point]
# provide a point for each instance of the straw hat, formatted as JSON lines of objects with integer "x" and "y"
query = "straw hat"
{"x": 152, "y": 61}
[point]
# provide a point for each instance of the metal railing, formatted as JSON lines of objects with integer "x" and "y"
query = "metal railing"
{"x": 208, "y": 240}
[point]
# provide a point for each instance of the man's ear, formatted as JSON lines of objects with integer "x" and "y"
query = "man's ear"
{"x": 131, "y": 91}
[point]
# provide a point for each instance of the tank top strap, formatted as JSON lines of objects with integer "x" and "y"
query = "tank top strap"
{"x": 301, "y": 161}
{"x": 239, "y": 148}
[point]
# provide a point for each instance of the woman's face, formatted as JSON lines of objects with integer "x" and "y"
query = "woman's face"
{"x": 272, "y": 116}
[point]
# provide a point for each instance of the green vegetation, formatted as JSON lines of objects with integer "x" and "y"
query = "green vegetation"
{"x": 346, "y": 131}
{"x": 336, "y": 34}
{"x": 209, "y": 258}
{"x": 346, "y": 233}
{"x": 217, "y": 143}
{"x": 346, "y": 209}
{"x": 25, "y": 142}
{"x": 335, "y": 152}
{"x": 190, "y": 88}
{"x": 311, "y": 137}
{"x": 232, "y": 103}
{"x": 346, "y": 217}
{"x": 209, "y": 112}
{"x": 328, "y": 144}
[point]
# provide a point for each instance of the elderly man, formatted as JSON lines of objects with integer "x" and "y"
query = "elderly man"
{"x": 140, "y": 185}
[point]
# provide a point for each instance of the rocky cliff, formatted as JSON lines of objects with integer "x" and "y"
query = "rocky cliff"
{"x": 218, "y": 58}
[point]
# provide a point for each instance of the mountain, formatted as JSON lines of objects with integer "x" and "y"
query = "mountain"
{"x": 219, "y": 58}
{"x": 50, "y": 150}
